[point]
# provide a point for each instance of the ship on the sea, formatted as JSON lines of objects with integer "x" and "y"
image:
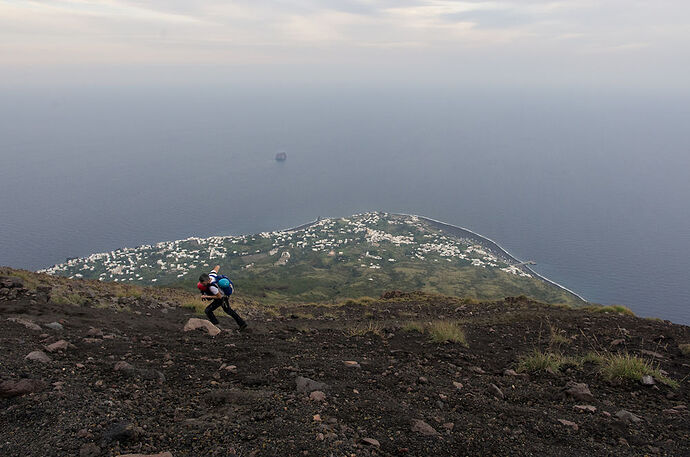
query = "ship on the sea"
{"x": 281, "y": 156}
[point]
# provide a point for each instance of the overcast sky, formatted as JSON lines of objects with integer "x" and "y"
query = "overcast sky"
{"x": 632, "y": 43}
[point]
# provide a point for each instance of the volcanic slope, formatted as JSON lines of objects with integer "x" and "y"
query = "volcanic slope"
{"x": 406, "y": 374}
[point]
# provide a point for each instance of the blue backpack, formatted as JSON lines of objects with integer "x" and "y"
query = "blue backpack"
{"x": 228, "y": 288}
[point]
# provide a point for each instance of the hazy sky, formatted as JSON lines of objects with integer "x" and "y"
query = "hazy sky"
{"x": 632, "y": 43}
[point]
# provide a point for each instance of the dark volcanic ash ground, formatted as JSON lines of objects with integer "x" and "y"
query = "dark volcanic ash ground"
{"x": 311, "y": 380}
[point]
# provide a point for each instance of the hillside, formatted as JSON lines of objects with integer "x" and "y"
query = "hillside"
{"x": 411, "y": 374}
{"x": 363, "y": 255}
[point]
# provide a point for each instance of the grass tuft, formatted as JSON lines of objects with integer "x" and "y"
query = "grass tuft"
{"x": 557, "y": 338}
{"x": 620, "y": 309}
{"x": 627, "y": 366}
{"x": 544, "y": 361}
{"x": 438, "y": 331}
{"x": 68, "y": 299}
{"x": 30, "y": 279}
{"x": 128, "y": 291}
{"x": 684, "y": 348}
{"x": 363, "y": 329}
{"x": 197, "y": 305}
{"x": 414, "y": 326}
{"x": 443, "y": 331}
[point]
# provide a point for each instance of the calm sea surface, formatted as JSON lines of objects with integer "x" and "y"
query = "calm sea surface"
{"x": 593, "y": 187}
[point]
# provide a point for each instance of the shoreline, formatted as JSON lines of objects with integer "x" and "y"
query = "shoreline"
{"x": 497, "y": 247}
{"x": 481, "y": 239}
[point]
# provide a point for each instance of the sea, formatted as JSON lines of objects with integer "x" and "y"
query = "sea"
{"x": 592, "y": 185}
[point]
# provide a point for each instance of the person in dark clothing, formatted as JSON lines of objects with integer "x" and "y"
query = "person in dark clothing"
{"x": 220, "y": 296}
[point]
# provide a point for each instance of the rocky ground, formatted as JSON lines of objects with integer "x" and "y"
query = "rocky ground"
{"x": 319, "y": 380}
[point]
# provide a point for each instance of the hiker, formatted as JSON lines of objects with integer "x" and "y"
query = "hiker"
{"x": 218, "y": 288}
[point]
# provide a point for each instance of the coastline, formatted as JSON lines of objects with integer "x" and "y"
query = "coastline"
{"x": 467, "y": 233}
{"x": 491, "y": 243}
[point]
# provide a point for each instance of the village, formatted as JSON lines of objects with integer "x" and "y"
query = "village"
{"x": 358, "y": 238}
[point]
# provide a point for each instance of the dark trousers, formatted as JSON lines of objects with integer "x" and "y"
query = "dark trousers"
{"x": 225, "y": 303}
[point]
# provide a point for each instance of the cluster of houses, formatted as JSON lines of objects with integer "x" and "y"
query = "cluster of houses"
{"x": 353, "y": 236}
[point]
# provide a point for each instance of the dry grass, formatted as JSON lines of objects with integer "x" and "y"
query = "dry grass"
{"x": 68, "y": 299}
{"x": 446, "y": 331}
{"x": 438, "y": 331}
{"x": 619, "y": 309}
{"x": 197, "y": 305}
{"x": 361, "y": 301}
{"x": 611, "y": 366}
{"x": 128, "y": 291}
{"x": 30, "y": 280}
{"x": 363, "y": 329}
{"x": 557, "y": 338}
{"x": 684, "y": 348}
{"x": 627, "y": 366}
{"x": 270, "y": 312}
{"x": 544, "y": 361}
{"x": 414, "y": 326}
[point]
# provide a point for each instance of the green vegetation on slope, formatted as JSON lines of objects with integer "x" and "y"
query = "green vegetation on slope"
{"x": 332, "y": 259}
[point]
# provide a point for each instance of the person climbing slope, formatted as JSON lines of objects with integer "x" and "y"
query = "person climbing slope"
{"x": 218, "y": 288}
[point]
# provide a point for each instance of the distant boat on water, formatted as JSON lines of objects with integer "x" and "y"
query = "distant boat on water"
{"x": 281, "y": 156}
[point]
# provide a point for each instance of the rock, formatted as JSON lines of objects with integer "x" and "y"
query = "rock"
{"x": 647, "y": 380}
{"x": 317, "y": 395}
{"x": 195, "y": 323}
{"x": 25, "y": 322}
{"x": 144, "y": 373}
{"x": 419, "y": 426}
{"x": 653, "y": 354}
{"x": 458, "y": 385}
{"x": 150, "y": 374}
{"x": 124, "y": 367}
{"x": 579, "y": 391}
{"x": 307, "y": 385}
{"x": 11, "y": 282}
{"x": 95, "y": 333}
{"x": 162, "y": 454}
{"x": 570, "y": 424}
{"x": 317, "y": 417}
{"x": 351, "y": 364}
{"x": 38, "y": 356}
{"x": 627, "y": 416}
{"x": 496, "y": 391}
{"x": 61, "y": 345}
{"x": 585, "y": 408}
{"x": 122, "y": 431}
{"x": 423, "y": 380}
{"x": 15, "y": 388}
{"x": 371, "y": 442}
{"x": 55, "y": 326}
{"x": 617, "y": 342}
{"x": 43, "y": 293}
{"x": 671, "y": 412}
{"x": 477, "y": 370}
{"x": 89, "y": 450}
{"x": 515, "y": 374}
